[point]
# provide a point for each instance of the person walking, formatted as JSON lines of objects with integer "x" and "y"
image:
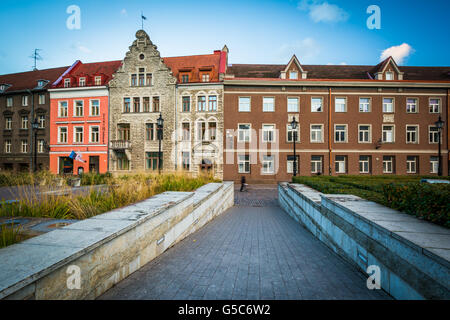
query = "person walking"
{"x": 243, "y": 184}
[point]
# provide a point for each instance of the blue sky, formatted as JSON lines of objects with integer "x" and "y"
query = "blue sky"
{"x": 264, "y": 31}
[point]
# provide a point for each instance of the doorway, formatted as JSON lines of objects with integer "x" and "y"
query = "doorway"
{"x": 94, "y": 164}
{"x": 65, "y": 165}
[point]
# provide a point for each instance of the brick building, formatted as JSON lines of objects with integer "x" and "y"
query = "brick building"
{"x": 352, "y": 119}
{"x": 79, "y": 111}
{"x": 24, "y": 104}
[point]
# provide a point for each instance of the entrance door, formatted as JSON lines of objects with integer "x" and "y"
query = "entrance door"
{"x": 94, "y": 164}
{"x": 206, "y": 166}
{"x": 65, "y": 165}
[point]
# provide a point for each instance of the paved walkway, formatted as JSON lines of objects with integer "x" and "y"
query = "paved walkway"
{"x": 249, "y": 252}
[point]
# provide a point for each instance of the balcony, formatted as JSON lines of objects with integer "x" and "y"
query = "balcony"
{"x": 120, "y": 144}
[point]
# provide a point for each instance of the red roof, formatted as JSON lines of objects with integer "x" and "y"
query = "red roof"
{"x": 28, "y": 80}
{"x": 90, "y": 71}
{"x": 197, "y": 63}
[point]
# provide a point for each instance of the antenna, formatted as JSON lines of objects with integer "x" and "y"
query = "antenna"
{"x": 36, "y": 57}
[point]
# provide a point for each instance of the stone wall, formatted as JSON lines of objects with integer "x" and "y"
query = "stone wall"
{"x": 108, "y": 247}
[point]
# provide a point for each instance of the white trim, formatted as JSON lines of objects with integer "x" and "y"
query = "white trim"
{"x": 417, "y": 133}
{"x": 77, "y": 145}
{"x": 83, "y": 92}
{"x": 82, "y": 152}
{"x": 334, "y": 93}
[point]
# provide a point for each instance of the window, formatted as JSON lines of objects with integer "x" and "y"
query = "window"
{"x": 388, "y": 134}
{"x": 201, "y": 131}
{"x": 24, "y": 146}
{"x": 8, "y": 123}
{"x": 146, "y": 104}
{"x": 388, "y": 164}
{"x": 268, "y": 104}
{"x": 123, "y": 163}
{"x": 66, "y": 83}
{"x": 98, "y": 80}
{"x": 42, "y": 99}
{"x": 340, "y": 105}
{"x": 293, "y": 105}
{"x": 149, "y": 79}
{"x": 411, "y": 105}
{"x": 40, "y": 146}
{"x": 205, "y": 77}
{"x": 411, "y": 164}
{"x": 389, "y": 75}
{"x": 340, "y": 163}
{"x": 62, "y": 134}
{"x": 212, "y": 128}
{"x": 316, "y": 104}
{"x": 136, "y": 104}
{"x": 95, "y": 107}
{"x": 24, "y": 124}
{"x": 435, "y": 105}
{"x": 316, "y": 133}
{"x": 293, "y": 75}
{"x": 316, "y": 164}
{"x": 155, "y": 104}
{"x": 9, "y": 101}
{"x": 244, "y": 132}
{"x": 364, "y": 134}
{"x": 134, "y": 80}
{"x": 186, "y": 159}
{"x": 78, "y": 109}
{"x": 364, "y": 104}
{"x": 434, "y": 164}
{"x": 82, "y": 82}
{"x": 150, "y": 131}
{"x": 290, "y": 164}
{"x": 123, "y": 132}
{"x": 24, "y": 101}
{"x": 186, "y": 131}
{"x": 412, "y": 134}
{"x": 212, "y": 103}
{"x": 364, "y": 164}
{"x": 7, "y": 146}
{"x": 95, "y": 134}
{"x": 340, "y": 133}
{"x": 62, "y": 109}
{"x": 388, "y": 105}
{"x": 186, "y": 104}
{"x": 41, "y": 121}
{"x": 244, "y": 104}
{"x": 126, "y": 105}
{"x": 78, "y": 135}
{"x": 41, "y": 83}
{"x": 268, "y": 132}
{"x": 201, "y": 103}
{"x": 152, "y": 159}
{"x": 141, "y": 78}
{"x": 290, "y": 133}
{"x": 433, "y": 134}
{"x": 244, "y": 163}
{"x": 268, "y": 164}
{"x": 184, "y": 78}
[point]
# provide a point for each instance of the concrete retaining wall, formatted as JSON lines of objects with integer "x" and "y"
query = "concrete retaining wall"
{"x": 413, "y": 255}
{"x": 107, "y": 248}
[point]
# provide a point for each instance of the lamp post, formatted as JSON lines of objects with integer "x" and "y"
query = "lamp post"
{"x": 34, "y": 127}
{"x": 294, "y": 128}
{"x": 160, "y": 124}
{"x": 439, "y": 125}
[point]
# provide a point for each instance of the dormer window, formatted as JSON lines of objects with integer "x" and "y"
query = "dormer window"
{"x": 98, "y": 80}
{"x": 2, "y": 88}
{"x": 67, "y": 83}
{"x": 293, "y": 75}
{"x": 41, "y": 83}
{"x": 205, "y": 77}
{"x": 82, "y": 82}
{"x": 389, "y": 75}
{"x": 184, "y": 78}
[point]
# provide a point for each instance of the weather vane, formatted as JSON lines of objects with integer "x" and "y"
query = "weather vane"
{"x": 142, "y": 20}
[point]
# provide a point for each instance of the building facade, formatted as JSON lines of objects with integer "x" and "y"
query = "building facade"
{"x": 79, "y": 111}
{"x": 351, "y": 120}
{"x": 25, "y": 118}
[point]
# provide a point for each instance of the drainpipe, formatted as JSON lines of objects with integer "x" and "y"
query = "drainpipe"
{"x": 176, "y": 127}
{"x": 30, "y": 125}
{"x": 329, "y": 131}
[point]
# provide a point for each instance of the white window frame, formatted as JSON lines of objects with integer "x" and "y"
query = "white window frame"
{"x": 75, "y": 108}
{"x": 369, "y": 104}
{"x": 90, "y": 108}
{"x": 291, "y": 73}
{"x": 41, "y": 121}
{"x": 340, "y": 162}
{"x": 314, "y": 164}
{"x": 249, "y": 134}
{"x": 321, "y": 103}
{"x": 82, "y": 82}
{"x": 242, "y": 160}
{"x": 90, "y": 134}
{"x": 291, "y": 130}
{"x": 8, "y": 123}
{"x": 40, "y": 145}
{"x": 267, "y": 106}
{"x": 335, "y": 104}
{"x": 364, "y": 162}
{"x": 385, "y": 162}
{"x": 370, "y": 133}
{"x": 439, "y": 105}
{"x": 408, "y": 164}
{"x": 75, "y": 134}
{"x": 434, "y": 164}
{"x": 24, "y": 101}
{"x": 290, "y": 164}
{"x": 345, "y": 133}
{"x": 67, "y": 83}
{"x": 382, "y": 133}
{"x": 297, "y": 104}
{"x": 9, "y": 102}
{"x": 98, "y": 80}
{"x": 66, "y": 134}
{"x": 22, "y": 146}
{"x": 270, "y": 129}
{"x": 8, "y": 145}
{"x": 416, "y": 105}
{"x": 249, "y": 104}
{"x": 311, "y": 133}
{"x": 24, "y": 120}
{"x": 60, "y": 108}
{"x": 41, "y": 98}
{"x": 393, "y": 105}
{"x": 437, "y": 133}
{"x": 416, "y": 131}
{"x": 268, "y": 164}
{"x": 390, "y": 73}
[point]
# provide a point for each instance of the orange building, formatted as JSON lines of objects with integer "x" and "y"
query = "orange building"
{"x": 79, "y": 118}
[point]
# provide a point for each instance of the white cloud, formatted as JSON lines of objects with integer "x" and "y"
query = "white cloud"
{"x": 304, "y": 49}
{"x": 343, "y": 63}
{"x": 322, "y": 11}
{"x": 124, "y": 12}
{"x": 399, "y": 53}
{"x": 84, "y": 49}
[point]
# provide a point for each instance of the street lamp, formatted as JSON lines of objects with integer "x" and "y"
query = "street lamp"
{"x": 439, "y": 125}
{"x": 160, "y": 124}
{"x": 34, "y": 127}
{"x": 294, "y": 128}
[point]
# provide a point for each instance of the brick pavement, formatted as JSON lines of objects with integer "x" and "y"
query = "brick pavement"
{"x": 252, "y": 251}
